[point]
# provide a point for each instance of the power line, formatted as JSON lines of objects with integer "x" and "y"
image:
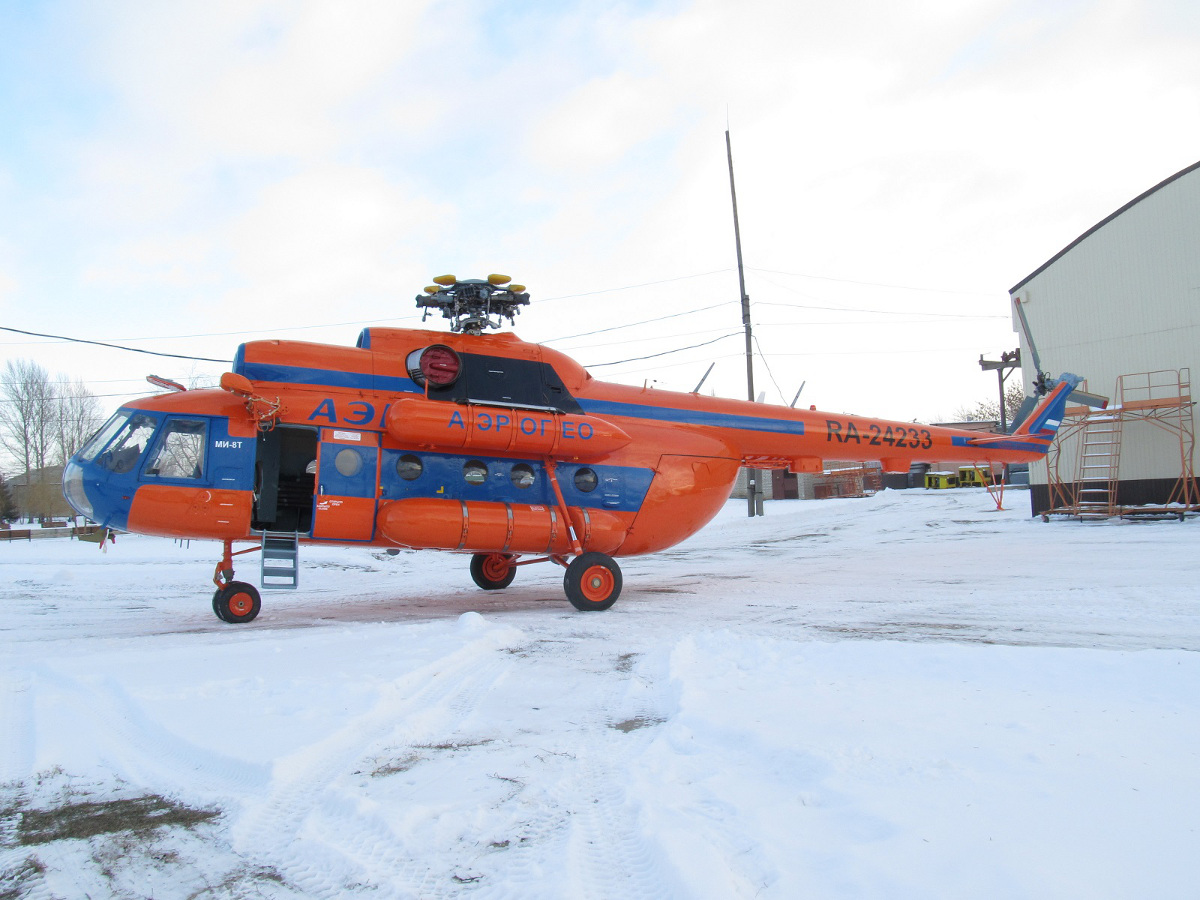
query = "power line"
{"x": 900, "y": 287}
{"x": 689, "y": 312}
{"x": 879, "y": 312}
{"x": 72, "y": 340}
{"x": 763, "y": 357}
{"x": 661, "y": 366}
{"x": 664, "y": 353}
{"x": 630, "y": 287}
{"x": 642, "y": 340}
{"x": 271, "y": 330}
{"x": 89, "y": 397}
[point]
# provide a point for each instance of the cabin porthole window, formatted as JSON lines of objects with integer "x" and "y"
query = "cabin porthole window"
{"x": 409, "y": 467}
{"x": 348, "y": 462}
{"x": 586, "y": 480}
{"x": 475, "y": 472}
{"x": 523, "y": 475}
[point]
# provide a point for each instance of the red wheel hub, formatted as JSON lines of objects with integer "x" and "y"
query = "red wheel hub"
{"x": 241, "y": 604}
{"x": 597, "y": 584}
{"x": 495, "y": 567}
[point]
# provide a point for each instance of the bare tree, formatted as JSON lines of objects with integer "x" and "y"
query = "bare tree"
{"x": 43, "y": 422}
{"x": 78, "y": 417}
{"x": 989, "y": 410}
{"x": 26, "y": 413}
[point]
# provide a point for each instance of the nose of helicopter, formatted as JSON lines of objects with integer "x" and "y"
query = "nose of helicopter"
{"x": 73, "y": 490}
{"x": 95, "y": 493}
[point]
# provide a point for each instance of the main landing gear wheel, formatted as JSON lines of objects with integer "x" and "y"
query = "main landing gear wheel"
{"x": 237, "y": 603}
{"x": 493, "y": 571}
{"x": 592, "y": 582}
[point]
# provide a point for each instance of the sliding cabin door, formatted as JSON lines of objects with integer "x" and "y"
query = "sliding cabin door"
{"x": 347, "y": 481}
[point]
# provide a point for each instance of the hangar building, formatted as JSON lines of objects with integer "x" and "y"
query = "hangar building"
{"x": 1120, "y": 306}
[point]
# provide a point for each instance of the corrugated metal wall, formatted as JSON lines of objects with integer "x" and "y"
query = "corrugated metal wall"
{"x": 1123, "y": 298}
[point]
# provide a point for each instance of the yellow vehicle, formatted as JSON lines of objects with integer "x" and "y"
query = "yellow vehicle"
{"x": 937, "y": 481}
{"x": 970, "y": 476}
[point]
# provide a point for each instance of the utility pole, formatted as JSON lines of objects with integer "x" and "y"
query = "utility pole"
{"x": 754, "y": 497}
{"x": 1003, "y": 367}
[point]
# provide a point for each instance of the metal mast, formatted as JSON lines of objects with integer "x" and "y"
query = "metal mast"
{"x": 753, "y": 489}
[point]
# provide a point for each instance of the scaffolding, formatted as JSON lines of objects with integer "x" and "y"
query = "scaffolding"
{"x": 852, "y": 481}
{"x": 1087, "y": 486}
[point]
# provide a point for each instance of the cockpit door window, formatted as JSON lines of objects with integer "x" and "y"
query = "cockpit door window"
{"x": 180, "y": 450}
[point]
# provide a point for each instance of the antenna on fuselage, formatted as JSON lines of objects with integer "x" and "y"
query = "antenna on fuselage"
{"x": 474, "y": 304}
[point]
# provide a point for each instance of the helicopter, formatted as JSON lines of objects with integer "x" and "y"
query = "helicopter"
{"x": 467, "y": 441}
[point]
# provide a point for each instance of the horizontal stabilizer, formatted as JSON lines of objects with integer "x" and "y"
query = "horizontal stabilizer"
{"x": 1095, "y": 401}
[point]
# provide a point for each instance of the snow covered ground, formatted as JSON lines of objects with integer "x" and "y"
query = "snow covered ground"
{"x": 911, "y": 695}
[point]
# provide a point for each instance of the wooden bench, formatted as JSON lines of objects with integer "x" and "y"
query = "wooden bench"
{"x": 16, "y": 534}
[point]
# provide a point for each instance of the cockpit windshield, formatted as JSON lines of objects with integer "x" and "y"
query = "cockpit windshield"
{"x": 103, "y": 436}
{"x": 124, "y": 451}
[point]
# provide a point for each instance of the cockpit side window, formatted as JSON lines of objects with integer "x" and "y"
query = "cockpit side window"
{"x": 103, "y": 436}
{"x": 123, "y": 454}
{"x": 180, "y": 450}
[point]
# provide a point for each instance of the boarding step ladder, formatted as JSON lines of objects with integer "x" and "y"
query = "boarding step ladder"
{"x": 280, "y": 561}
{"x": 1099, "y": 462}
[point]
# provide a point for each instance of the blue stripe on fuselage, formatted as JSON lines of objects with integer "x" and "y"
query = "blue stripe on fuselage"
{"x": 1026, "y": 446}
{"x": 357, "y": 381}
{"x": 690, "y": 416}
{"x": 365, "y": 382}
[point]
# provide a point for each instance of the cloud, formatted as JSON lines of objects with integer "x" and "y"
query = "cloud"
{"x": 315, "y": 242}
{"x": 277, "y": 162}
{"x": 266, "y": 79}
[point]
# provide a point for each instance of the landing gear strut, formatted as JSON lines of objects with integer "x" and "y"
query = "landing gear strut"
{"x": 235, "y": 602}
{"x": 592, "y": 582}
{"x": 493, "y": 571}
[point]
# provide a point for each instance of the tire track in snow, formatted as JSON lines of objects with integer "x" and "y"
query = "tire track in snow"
{"x": 17, "y": 750}
{"x": 610, "y": 849}
{"x": 593, "y": 821}
{"x": 319, "y": 836}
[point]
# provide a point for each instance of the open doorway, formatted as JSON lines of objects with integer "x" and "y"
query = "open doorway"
{"x": 285, "y": 479}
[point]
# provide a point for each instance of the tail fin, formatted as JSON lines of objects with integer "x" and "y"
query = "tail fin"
{"x": 1037, "y": 431}
{"x": 1046, "y": 419}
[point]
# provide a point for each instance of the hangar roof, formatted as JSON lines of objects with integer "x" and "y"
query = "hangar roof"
{"x": 1136, "y": 200}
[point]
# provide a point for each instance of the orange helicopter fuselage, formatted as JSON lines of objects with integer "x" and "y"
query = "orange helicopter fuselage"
{"x": 508, "y": 447}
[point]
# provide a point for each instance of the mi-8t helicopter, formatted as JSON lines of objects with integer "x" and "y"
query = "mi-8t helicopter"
{"x": 464, "y": 441}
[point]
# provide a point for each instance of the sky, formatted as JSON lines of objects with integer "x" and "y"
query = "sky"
{"x": 181, "y": 178}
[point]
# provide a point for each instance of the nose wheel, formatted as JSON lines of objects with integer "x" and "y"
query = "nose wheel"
{"x": 237, "y": 602}
{"x": 592, "y": 582}
{"x": 234, "y": 602}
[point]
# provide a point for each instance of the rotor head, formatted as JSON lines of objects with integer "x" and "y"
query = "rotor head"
{"x": 474, "y": 304}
